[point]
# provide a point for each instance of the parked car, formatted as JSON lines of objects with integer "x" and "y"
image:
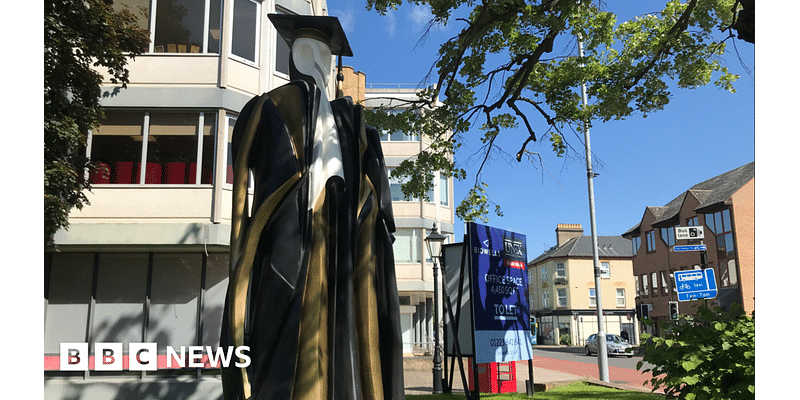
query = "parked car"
{"x": 615, "y": 345}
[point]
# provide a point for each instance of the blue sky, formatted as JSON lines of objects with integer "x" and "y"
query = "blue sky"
{"x": 641, "y": 161}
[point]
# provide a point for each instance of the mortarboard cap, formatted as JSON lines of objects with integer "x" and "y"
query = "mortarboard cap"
{"x": 291, "y": 26}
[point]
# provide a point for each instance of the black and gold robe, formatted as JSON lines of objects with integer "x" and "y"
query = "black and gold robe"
{"x": 312, "y": 289}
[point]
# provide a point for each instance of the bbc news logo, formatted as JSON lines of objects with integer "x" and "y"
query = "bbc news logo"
{"x": 144, "y": 357}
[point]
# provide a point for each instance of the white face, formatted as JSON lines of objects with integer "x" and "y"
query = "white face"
{"x": 312, "y": 57}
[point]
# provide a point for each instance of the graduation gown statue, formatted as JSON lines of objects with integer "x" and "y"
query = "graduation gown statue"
{"x": 312, "y": 287}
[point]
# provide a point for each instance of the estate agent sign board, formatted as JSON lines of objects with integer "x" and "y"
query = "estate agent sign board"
{"x": 500, "y": 294}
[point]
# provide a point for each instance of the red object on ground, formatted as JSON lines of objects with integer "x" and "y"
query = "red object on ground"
{"x": 495, "y": 377}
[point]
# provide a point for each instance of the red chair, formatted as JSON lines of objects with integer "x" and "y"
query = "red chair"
{"x": 176, "y": 173}
{"x": 122, "y": 172}
{"x": 101, "y": 175}
{"x": 152, "y": 175}
{"x": 205, "y": 177}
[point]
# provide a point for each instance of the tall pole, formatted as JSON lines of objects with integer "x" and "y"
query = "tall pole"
{"x": 602, "y": 351}
{"x": 437, "y": 348}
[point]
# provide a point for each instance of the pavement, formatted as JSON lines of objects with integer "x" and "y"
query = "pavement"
{"x": 418, "y": 376}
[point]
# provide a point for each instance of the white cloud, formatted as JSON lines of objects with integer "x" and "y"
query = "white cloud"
{"x": 391, "y": 23}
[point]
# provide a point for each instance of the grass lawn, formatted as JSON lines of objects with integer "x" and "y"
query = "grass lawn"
{"x": 579, "y": 390}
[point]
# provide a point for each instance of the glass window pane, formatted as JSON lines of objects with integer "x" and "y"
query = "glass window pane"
{"x": 726, "y": 221}
{"x": 620, "y": 297}
{"x": 732, "y": 272}
{"x": 119, "y": 308}
{"x": 209, "y": 138}
{"x": 654, "y": 281}
{"x": 710, "y": 222}
{"x": 117, "y": 146}
{"x": 174, "y": 296}
{"x": 68, "y": 300}
{"x": 214, "y": 24}
{"x": 179, "y": 26}
{"x": 718, "y": 223}
{"x": 214, "y": 299}
{"x": 172, "y": 148}
{"x": 729, "y": 248}
{"x": 443, "y": 190}
{"x": 229, "y": 156}
{"x": 645, "y": 286}
{"x": 245, "y": 26}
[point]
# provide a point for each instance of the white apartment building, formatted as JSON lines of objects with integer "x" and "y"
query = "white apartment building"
{"x": 414, "y": 219}
{"x": 147, "y": 260}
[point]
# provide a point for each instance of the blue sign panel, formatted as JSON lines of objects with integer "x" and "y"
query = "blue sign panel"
{"x": 500, "y": 294}
{"x": 691, "y": 247}
{"x": 695, "y": 284}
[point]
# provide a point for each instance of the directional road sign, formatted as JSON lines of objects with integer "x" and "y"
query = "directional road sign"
{"x": 690, "y": 247}
{"x": 689, "y": 232}
{"x": 695, "y": 284}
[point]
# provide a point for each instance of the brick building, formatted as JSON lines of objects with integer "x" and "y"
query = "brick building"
{"x": 724, "y": 206}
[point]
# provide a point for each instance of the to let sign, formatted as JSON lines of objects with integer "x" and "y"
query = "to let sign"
{"x": 499, "y": 294}
{"x": 695, "y": 284}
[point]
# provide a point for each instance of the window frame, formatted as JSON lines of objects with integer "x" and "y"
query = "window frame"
{"x": 257, "y": 35}
{"x": 605, "y": 273}
{"x": 152, "y": 27}
{"x": 592, "y": 297}
{"x": 622, "y": 297}
{"x": 651, "y": 241}
{"x": 560, "y": 297}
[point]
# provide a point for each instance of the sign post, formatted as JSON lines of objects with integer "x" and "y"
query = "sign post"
{"x": 501, "y": 317}
{"x": 695, "y": 284}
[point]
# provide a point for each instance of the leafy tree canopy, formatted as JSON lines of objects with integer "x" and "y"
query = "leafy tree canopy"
{"x": 79, "y": 36}
{"x": 502, "y": 72}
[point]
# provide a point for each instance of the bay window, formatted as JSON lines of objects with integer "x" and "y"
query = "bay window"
{"x": 134, "y": 147}
{"x": 245, "y": 34}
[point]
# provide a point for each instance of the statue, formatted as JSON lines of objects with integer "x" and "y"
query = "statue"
{"x": 312, "y": 287}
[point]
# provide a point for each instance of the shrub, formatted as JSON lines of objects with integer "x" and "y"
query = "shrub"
{"x": 707, "y": 356}
{"x": 565, "y": 339}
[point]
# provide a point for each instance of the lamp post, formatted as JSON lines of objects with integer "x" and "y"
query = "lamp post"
{"x": 434, "y": 242}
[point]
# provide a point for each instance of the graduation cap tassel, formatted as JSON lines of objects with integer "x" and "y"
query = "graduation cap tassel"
{"x": 339, "y": 80}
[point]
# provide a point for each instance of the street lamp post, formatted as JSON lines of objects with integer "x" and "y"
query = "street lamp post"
{"x": 434, "y": 242}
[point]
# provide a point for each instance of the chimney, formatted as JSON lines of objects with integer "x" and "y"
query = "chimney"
{"x": 565, "y": 232}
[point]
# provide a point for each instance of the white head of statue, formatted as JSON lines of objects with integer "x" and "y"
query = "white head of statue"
{"x": 313, "y": 41}
{"x": 311, "y": 57}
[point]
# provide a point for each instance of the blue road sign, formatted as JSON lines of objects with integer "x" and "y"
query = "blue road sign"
{"x": 696, "y": 284}
{"x": 691, "y": 247}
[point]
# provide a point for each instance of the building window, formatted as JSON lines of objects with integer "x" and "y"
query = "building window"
{"x": 668, "y": 236}
{"x": 407, "y": 245}
{"x": 546, "y": 299}
{"x": 620, "y": 297}
{"x": 388, "y": 135}
{"x": 184, "y": 26}
{"x": 561, "y": 270}
{"x": 244, "y": 38}
{"x": 636, "y": 242}
{"x": 444, "y": 190}
{"x": 638, "y": 285}
{"x": 153, "y": 148}
{"x": 692, "y": 221}
{"x": 645, "y": 286}
{"x": 651, "y": 241}
{"x": 719, "y": 223}
{"x": 545, "y": 278}
{"x": 654, "y": 281}
{"x": 139, "y": 297}
{"x": 562, "y": 297}
{"x": 282, "y": 52}
{"x": 592, "y": 298}
{"x": 230, "y": 123}
{"x": 664, "y": 283}
{"x": 605, "y": 270}
{"x": 396, "y": 187}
